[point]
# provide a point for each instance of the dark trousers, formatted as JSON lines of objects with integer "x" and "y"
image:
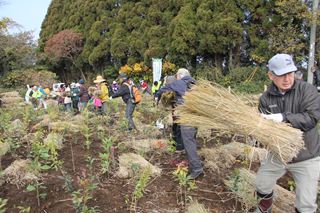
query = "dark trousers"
{"x": 188, "y": 135}
{"x": 129, "y": 112}
{"x": 176, "y": 136}
{"x": 75, "y": 105}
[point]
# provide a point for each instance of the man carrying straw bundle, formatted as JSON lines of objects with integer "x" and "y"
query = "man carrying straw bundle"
{"x": 185, "y": 135}
{"x": 296, "y": 103}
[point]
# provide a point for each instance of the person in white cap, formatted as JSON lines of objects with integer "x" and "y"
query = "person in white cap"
{"x": 297, "y": 103}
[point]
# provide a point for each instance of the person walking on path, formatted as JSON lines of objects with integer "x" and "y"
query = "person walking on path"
{"x": 185, "y": 135}
{"x": 298, "y": 104}
{"x": 124, "y": 92}
{"x": 104, "y": 95}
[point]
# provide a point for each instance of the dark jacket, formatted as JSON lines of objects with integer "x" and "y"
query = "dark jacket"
{"x": 84, "y": 96}
{"x": 123, "y": 91}
{"x": 75, "y": 91}
{"x": 300, "y": 107}
{"x": 179, "y": 87}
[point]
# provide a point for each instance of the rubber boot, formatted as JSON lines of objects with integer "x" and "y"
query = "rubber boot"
{"x": 265, "y": 203}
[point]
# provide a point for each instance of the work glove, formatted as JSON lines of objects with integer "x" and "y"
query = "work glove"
{"x": 110, "y": 98}
{"x": 277, "y": 117}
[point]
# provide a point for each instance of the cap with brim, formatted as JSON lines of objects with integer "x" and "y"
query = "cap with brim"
{"x": 281, "y": 64}
{"x": 183, "y": 71}
{"x": 99, "y": 79}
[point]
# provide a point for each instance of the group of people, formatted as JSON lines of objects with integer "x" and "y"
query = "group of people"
{"x": 286, "y": 100}
{"x": 36, "y": 95}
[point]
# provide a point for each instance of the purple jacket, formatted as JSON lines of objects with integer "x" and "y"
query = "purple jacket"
{"x": 84, "y": 96}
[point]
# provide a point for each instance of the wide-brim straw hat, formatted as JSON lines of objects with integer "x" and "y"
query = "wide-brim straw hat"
{"x": 99, "y": 79}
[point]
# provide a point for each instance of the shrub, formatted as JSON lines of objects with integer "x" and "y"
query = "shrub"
{"x": 209, "y": 73}
{"x": 245, "y": 79}
{"x": 20, "y": 78}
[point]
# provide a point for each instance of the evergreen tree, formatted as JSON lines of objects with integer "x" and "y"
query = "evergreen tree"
{"x": 214, "y": 33}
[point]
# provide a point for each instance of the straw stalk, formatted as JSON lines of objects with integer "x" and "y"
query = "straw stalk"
{"x": 213, "y": 107}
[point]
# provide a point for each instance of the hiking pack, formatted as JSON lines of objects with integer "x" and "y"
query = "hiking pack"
{"x": 134, "y": 93}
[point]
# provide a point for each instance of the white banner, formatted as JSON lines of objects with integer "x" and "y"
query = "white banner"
{"x": 156, "y": 68}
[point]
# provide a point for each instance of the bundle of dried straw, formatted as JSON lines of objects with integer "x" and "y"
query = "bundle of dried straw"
{"x": 213, "y": 107}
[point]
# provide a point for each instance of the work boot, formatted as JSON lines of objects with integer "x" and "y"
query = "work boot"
{"x": 195, "y": 174}
{"x": 265, "y": 203}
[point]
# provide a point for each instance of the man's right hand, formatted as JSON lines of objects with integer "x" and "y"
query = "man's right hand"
{"x": 277, "y": 117}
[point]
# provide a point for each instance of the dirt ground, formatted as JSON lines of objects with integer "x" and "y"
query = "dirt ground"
{"x": 114, "y": 194}
{"x": 162, "y": 194}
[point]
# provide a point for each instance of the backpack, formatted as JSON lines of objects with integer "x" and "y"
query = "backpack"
{"x": 134, "y": 94}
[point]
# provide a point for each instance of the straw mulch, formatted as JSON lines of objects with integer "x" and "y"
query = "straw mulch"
{"x": 54, "y": 139}
{"x": 4, "y": 148}
{"x": 196, "y": 207}
{"x": 225, "y": 156}
{"x": 11, "y": 101}
{"x": 129, "y": 161}
{"x": 9, "y": 94}
{"x": 147, "y": 145}
{"x": 243, "y": 185}
{"x": 19, "y": 174}
{"x": 213, "y": 107}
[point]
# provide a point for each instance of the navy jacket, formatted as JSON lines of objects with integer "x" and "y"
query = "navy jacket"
{"x": 124, "y": 92}
{"x": 179, "y": 87}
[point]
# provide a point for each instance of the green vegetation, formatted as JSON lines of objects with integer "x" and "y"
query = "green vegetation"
{"x": 185, "y": 183}
{"x": 37, "y": 187}
{"x": 211, "y": 38}
{"x": 3, "y": 203}
{"x": 105, "y": 155}
{"x": 140, "y": 186}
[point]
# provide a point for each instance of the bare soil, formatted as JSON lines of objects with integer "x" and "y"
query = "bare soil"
{"x": 113, "y": 194}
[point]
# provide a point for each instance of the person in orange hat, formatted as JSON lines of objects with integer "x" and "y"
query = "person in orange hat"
{"x": 104, "y": 96}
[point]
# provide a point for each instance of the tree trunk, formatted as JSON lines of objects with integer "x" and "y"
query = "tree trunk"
{"x": 81, "y": 72}
{"x": 230, "y": 64}
{"x": 218, "y": 61}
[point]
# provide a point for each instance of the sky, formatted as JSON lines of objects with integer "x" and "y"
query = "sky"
{"x": 27, "y": 13}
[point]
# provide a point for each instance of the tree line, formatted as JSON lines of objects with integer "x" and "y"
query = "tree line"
{"x": 212, "y": 38}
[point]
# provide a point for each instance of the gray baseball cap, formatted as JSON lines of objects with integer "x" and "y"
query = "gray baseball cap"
{"x": 281, "y": 64}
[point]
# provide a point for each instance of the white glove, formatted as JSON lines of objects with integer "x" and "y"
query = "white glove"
{"x": 159, "y": 124}
{"x": 156, "y": 99}
{"x": 110, "y": 98}
{"x": 278, "y": 117}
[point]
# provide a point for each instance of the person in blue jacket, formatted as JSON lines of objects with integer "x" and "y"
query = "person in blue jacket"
{"x": 184, "y": 136}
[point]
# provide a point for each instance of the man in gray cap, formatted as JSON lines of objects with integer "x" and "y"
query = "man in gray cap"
{"x": 185, "y": 136}
{"x": 297, "y": 103}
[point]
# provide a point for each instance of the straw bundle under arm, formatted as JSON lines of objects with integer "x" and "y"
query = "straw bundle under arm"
{"x": 213, "y": 107}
